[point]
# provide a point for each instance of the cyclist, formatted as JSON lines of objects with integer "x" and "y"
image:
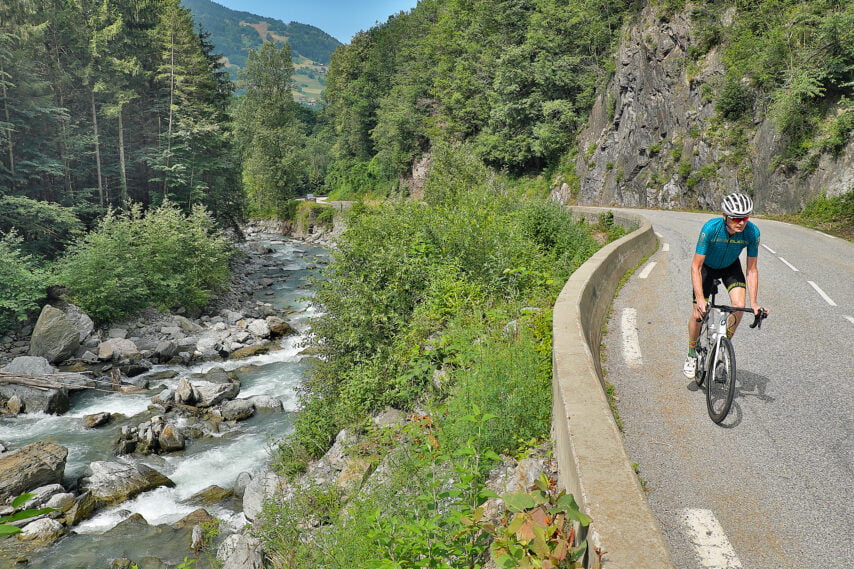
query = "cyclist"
{"x": 716, "y": 257}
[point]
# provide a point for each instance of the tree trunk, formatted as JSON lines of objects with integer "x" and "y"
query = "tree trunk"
{"x": 8, "y": 130}
{"x": 97, "y": 147}
{"x": 169, "y": 124}
{"x": 122, "y": 165}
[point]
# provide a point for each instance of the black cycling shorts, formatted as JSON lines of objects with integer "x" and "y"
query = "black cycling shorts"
{"x": 732, "y": 277}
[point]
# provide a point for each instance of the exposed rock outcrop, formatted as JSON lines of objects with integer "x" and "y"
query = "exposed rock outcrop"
{"x": 652, "y": 139}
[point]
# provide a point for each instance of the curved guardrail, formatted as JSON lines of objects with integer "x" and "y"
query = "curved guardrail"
{"x": 592, "y": 461}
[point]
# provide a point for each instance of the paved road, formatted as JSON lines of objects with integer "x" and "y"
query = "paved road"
{"x": 773, "y": 486}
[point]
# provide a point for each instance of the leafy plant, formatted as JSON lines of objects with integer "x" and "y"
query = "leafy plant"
{"x": 23, "y": 283}
{"x": 6, "y": 527}
{"x": 541, "y": 533}
{"x": 162, "y": 257}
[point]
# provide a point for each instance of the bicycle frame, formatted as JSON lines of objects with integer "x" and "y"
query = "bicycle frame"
{"x": 714, "y": 348}
{"x": 716, "y": 330}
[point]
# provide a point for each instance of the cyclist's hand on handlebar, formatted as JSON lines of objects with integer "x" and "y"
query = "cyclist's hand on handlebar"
{"x": 700, "y": 309}
{"x": 759, "y": 310}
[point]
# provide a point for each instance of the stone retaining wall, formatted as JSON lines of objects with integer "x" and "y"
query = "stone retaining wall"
{"x": 592, "y": 461}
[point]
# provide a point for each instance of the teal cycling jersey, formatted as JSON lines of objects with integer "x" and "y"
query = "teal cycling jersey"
{"x": 722, "y": 249}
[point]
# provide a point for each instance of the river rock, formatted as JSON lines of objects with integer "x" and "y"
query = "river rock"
{"x": 208, "y": 395}
{"x": 115, "y": 482}
{"x": 240, "y": 551}
{"x": 165, "y": 350}
{"x": 255, "y": 350}
{"x": 61, "y": 502}
{"x": 194, "y": 518}
{"x": 42, "y": 495}
{"x": 278, "y": 327}
{"x": 15, "y": 405}
{"x": 240, "y": 484}
{"x": 116, "y": 349}
{"x": 54, "y": 336}
{"x": 33, "y": 400}
{"x": 266, "y": 403}
{"x": 261, "y": 487}
{"x": 96, "y": 420}
{"x": 37, "y": 464}
{"x": 185, "y": 393}
{"x": 45, "y": 531}
{"x": 237, "y": 410}
{"x": 80, "y": 320}
{"x": 211, "y": 496}
{"x": 258, "y": 328}
{"x": 186, "y": 325}
{"x": 164, "y": 398}
{"x": 31, "y": 365}
{"x": 171, "y": 439}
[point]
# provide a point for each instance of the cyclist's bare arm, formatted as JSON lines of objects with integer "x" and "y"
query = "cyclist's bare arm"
{"x": 752, "y": 278}
{"x": 697, "y": 283}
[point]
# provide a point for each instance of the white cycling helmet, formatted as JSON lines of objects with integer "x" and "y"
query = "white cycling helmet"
{"x": 737, "y": 205}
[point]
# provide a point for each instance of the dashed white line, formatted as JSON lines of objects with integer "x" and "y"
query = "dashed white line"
{"x": 823, "y": 294}
{"x": 773, "y": 252}
{"x": 629, "y": 330}
{"x": 709, "y": 540}
{"x": 849, "y": 318}
{"x": 647, "y": 270}
{"x": 659, "y": 235}
{"x": 788, "y": 264}
{"x": 826, "y": 235}
{"x": 665, "y": 247}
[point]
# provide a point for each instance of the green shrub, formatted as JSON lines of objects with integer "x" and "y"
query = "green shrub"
{"x": 734, "y": 100}
{"x": 23, "y": 283}
{"x": 834, "y": 214}
{"x": 46, "y": 228}
{"x": 161, "y": 258}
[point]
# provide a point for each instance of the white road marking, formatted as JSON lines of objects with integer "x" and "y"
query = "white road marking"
{"x": 773, "y": 252}
{"x": 709, "y": 540}
{"x": 647, "y": 270}
{"x": 826, "y": 298}
{"x": 849, "y": 318}
{"x": 826, "y": 235}
{"x": 665, "y": 247}
{"x": 631, "y": 345}
{"x": 659, "y": 235}
{"x": 788, "y": 264}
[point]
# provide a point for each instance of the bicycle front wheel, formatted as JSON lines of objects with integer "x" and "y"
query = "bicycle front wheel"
{"x": 720, "y": 383}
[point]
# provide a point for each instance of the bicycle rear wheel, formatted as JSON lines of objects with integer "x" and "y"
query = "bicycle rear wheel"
{"x": 720, "y": 383}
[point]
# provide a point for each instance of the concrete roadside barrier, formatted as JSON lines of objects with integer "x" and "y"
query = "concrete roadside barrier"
{"x": 592, "y": 461}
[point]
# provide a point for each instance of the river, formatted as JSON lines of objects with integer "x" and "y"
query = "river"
{"x": 113, "y": 533}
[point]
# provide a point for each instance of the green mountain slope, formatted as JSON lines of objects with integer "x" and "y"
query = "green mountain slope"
{"x": 234, "y": 33}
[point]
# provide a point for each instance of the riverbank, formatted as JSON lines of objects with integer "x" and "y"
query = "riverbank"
{"x": 252, "y": 385}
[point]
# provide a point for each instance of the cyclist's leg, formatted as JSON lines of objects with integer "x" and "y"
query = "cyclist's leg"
{"x": 693, "y": 325}
{"x": 690, "y": 367}
{"x": 735, "y": 284}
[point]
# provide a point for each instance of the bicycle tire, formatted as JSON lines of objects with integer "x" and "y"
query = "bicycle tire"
{"x": 720, "y": 386}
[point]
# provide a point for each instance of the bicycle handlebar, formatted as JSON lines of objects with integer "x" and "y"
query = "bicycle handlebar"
{"x": 757, "y": 319}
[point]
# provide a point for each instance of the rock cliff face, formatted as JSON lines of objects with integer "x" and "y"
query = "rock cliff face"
{"x": 653, "y": 138}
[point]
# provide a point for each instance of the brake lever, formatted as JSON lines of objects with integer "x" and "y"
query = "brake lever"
{"x": 758, "y": 318}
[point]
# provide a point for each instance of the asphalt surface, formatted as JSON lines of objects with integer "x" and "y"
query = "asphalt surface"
{"x": 773, "y": 486}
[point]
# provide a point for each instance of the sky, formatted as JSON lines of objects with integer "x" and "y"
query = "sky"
{"x": 339, "y": 18}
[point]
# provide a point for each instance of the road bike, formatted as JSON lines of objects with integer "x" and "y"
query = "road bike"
{"x": 716, "y": 356}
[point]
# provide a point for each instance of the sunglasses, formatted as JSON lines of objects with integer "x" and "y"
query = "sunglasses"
{"x": 738, "y": 219}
